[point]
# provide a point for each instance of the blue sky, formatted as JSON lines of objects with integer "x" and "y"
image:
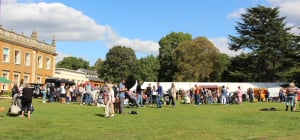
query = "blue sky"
{"x": 89, "y": 28}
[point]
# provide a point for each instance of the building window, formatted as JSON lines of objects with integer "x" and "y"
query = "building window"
{"x": 16, "y": 78}
{"x": 26, "y": 78}
{"x": 17, "y": 57}
{"x": 40, "y": 61}
{"x": 48, "y": 63}
{"x": 6, "y": 55}
{"x": 27, "y": 59}
{"x": 5, "y": 75}
{"x": 38, "y": 79}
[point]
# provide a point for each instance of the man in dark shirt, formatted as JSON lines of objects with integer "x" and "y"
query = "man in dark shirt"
{"x": 26, "y": 99}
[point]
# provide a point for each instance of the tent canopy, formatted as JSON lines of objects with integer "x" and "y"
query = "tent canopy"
{"x": 4, "y": 80}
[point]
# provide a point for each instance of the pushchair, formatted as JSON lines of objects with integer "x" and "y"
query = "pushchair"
{"x": 99, "y": 99}
{"x": 131, "y": 100}
{"x": 233, "y": 98}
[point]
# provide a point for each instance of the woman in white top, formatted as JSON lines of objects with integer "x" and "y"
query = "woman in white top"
{"x": 109, "y": 105}
{"x": 63, "y": 93}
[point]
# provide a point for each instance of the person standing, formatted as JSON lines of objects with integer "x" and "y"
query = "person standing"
{"x": 149, "y": 94}
{"x": 81, "y": 93}
{"x": 173, "y": 90}
{"x": 122, "y": 91}
{"x": 14, "y": 90}
{"x": 52, "y": 92}
{"x": 63, "y": 93}
{"x": 197, "y": 94}
{"x": 109, "y": 105}
{"x": 239, "y": 95}
{"x": 159, "y": 95}
{"x": 291, "y": 91}
{"x": 139, "y": 94}
{"x": 154, "y": 95}
{"x": 88, "y": 96}
{"x": 223, "y": 95}
{"x": 26, "y": 100}
{"x": 250, "y": 94}
{"x": 44, "y": 92}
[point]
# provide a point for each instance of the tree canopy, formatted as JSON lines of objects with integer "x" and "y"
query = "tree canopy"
{"x": 195, "y": 60}
{"x": 148, "y": 68}
{"x": 120, "y": 64}
{"x": 73, "y": 63}
{"x": 166, "y": 54}
{"x": 269, "y": 41}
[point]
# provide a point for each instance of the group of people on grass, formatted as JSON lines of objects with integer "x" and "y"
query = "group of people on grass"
{"x": 22, "y": 100}
{"x": 114, "y": 97}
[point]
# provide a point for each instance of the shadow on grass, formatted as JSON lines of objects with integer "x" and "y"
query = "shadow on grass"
{"x": 100, "y": 115}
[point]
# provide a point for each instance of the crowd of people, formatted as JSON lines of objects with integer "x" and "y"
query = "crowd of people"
{"x": 114, "y": 97}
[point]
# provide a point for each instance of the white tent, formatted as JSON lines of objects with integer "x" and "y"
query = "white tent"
{"x": 272, "y": 87}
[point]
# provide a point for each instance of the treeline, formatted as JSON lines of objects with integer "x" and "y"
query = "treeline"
{"x": 271, "y": 54}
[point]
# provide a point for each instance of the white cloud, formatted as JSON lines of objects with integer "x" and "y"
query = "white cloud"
{"x": 222, "y": 45}
{"x": 60, "y": 56}
{"x": 236, "y": 14}
{"x": 138, "y": 45}
{"x": 66, "y": 23}
{"x": 289, "y": 9}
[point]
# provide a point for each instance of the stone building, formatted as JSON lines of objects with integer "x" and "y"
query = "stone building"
{"x": 92, "y": 77}
{"x": 72, "y": 75}
{"x": 25, "y": 59}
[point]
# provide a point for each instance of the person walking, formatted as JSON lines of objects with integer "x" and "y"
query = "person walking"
{"x": 109, "y": 105}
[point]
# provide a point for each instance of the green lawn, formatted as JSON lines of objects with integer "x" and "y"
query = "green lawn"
{"x": 57, "y": 121}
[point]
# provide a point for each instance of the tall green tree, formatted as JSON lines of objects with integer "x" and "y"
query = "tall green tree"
{"x": 166, "y": 54}
{"x": 222, "y": 63}
{"x": 148, "y": 68}
{"x": 73, "y": 63}
{"x": 98, "y": 64}
{"x": 240, "y": 69}
{"x": 195, "y": 60}
{"x": 120, "y": 64}
{"x": 265, "y": 34}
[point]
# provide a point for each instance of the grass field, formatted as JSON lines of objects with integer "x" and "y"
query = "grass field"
{"x": 57, "y": 121}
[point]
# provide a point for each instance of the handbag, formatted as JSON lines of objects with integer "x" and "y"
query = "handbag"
{"x": 14, "y": 109}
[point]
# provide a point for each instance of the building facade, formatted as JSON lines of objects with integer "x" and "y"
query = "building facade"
{"x": 92, "y": 77}
{"x": 72, "y": 75}
{"x": 25, "y": 59}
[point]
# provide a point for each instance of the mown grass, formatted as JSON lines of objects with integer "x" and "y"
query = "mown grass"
{"x": 57, "y": 121}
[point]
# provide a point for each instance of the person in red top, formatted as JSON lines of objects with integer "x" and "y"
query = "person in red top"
{"x": 197, "y": 95}
{"x": 26, "y": 99}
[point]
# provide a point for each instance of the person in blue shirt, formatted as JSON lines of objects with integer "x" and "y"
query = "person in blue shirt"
{"x": 122, "y": 90}
{"x": 160, "y": 94}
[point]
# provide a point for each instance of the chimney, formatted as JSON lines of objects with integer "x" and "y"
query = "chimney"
{"x": 53, "y": 43}
{"x": 34, "y": 35}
